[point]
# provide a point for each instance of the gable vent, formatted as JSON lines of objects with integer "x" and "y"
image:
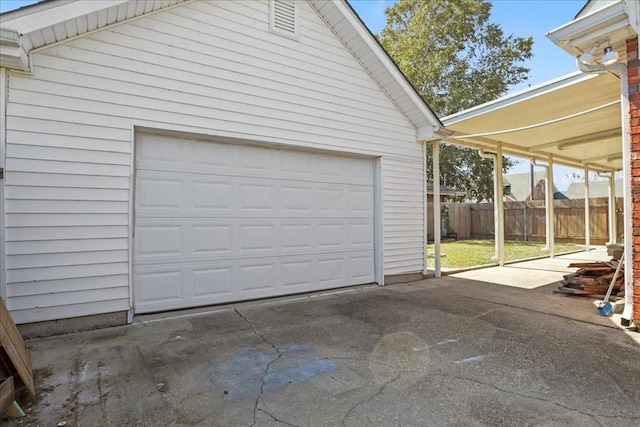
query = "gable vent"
{"x": 284, "y": 17}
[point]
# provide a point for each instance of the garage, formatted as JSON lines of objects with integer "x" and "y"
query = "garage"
{"x": 188, "y": 154}
{"x": 217, "y": 222}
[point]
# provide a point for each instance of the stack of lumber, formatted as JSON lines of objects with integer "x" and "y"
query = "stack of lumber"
{"x": 592, "y": 278}
{"x": 15, "y": 365}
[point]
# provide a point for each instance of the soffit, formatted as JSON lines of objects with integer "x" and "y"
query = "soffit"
{"x": 589, "y": 134}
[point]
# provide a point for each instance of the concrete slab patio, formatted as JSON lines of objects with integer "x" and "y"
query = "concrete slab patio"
{"x": 534, "y": 273}
{"x": 444, "y": 351}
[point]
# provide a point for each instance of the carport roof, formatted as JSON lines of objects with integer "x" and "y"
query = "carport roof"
{"x": 574, "y": 118}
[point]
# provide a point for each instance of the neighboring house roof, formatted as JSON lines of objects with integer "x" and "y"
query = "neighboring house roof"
{"x": 520, "y": 184}
{"x": 52, "y": 21}
{"x": 596, "y": 189}
{"x": 444, "y": 190}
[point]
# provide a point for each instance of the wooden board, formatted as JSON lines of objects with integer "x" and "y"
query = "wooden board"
{"x": 570, "y": 291}
{"x": 13, "y": 344}
{"x": 7, "y": 394}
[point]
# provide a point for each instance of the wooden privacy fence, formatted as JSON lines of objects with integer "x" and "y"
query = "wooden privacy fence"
{"x": 525, "y": 221}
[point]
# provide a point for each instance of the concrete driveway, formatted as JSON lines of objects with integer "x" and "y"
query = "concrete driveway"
{"x": 444, "y": 351}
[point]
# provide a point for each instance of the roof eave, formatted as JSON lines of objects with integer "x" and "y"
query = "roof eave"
{"x": 12, "y": 54}
{"x": 516, "y": 97}
{"x": 611, "y": 22}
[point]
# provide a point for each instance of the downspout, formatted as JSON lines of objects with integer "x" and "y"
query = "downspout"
{"x": 613, "y": 218}
{"x": 627, "y": 314}
{"x": 3, "y": 146}
{"x": 498, "y": 203}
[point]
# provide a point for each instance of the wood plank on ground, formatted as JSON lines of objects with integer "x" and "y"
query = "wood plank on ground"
{"x": 13, "y": 344}
{"x": 7, "y": 394}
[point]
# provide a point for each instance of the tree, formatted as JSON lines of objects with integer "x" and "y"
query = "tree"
{"x": 456, "y": 59}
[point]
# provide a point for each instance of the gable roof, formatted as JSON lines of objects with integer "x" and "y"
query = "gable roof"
{"x": 596, "y": 189}
{"x": 53, "y": 21}
{"x": 520, "y": 183}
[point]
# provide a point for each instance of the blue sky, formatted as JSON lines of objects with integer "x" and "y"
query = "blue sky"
{"x": 520, "y": 17}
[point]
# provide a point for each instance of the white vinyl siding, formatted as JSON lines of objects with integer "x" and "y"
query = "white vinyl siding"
{"x": 208, "y": 68}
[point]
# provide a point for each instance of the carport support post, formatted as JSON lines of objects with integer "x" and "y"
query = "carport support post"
{"x": 613, "y": 216}
{"x": 499, "y": 203}
{"x": 587, "y": 220}
{"x": 437, "y": 219}
{"x": 551, "y": 232}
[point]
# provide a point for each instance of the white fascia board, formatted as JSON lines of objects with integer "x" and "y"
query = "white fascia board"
{"x": 514, "y": 98}
{"x": 382, "y": 56}
{"x": 597, "y": 20}
{"x": 634, "y": 15}
{"x": 38, "y": 18}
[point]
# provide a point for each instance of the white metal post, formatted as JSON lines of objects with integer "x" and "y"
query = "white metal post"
{"x": 613, "y": 215}
{"x": 550, "y": 209}
{"x": 425, "y": 200}
{"x": 499, "y": 202}
{"x": 587, "y": 218}
{"x": 436, "y": 207}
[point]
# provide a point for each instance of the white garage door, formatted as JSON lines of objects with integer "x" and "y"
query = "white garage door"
{"x": 217, "y": 222}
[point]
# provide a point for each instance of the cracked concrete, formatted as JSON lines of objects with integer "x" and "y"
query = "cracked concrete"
{"x": 437, "y": 352}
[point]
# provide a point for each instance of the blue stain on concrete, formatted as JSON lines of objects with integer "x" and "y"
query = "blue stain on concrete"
{"x": 242, "y": 375}
{"x": 297, "y": 373}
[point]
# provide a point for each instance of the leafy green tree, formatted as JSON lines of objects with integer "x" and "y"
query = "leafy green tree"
{"x": 456, "y": 59}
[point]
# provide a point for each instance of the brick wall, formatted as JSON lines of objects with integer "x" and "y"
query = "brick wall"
{"x": 633, "y": 66}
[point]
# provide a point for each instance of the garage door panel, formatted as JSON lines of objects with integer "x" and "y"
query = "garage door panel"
{"x": 257, "y": 239}
{"x": 257, "y": 198}
{"x": 157, "y": 193}
{"x": 219, "y": 158}
{"x": 360, "y": 268}
{"x": 217, "y": 222}
{"x": 159, "y": 153}
{"x": 212, "y": 282}
{"x": 360, "y": 201}
{"x": 331, "y": 235}
{"x": 212, "y": 195}
{"x": 160, "y": 240}
{"x": 298, "y": 164}
{"x": 253, "y": 158}
{"x": 361, "y": 235}
{"x": 191, "y": 240}
{"x": 332, "y": 272}
{"x": 259, "y": 275}
{"x": 298, "y": 275}
{"x": 212, "y": 240}
{"x": 297, "y": 199}
{"x": 158, "y": 287}
{"x": 360, "y": 171}
{"x": 331, "y": 200}
{"x": 297, "y": 236}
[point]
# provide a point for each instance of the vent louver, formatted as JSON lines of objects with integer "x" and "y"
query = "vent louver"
{"x": 284, "y": 17}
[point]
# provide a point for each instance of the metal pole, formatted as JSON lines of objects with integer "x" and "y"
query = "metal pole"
{"x": 613, "y": 214}
{"x": 437, "y": 227}
{"x": 425, "y": 201}
{"x": 499, "y": 202}
{"x": 587, "y": 218}
{"x": 550, "y": 209}
{"x": 496, "y": 208}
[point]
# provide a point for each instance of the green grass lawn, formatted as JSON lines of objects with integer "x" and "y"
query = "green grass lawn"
{"x": 469, "y": 253}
